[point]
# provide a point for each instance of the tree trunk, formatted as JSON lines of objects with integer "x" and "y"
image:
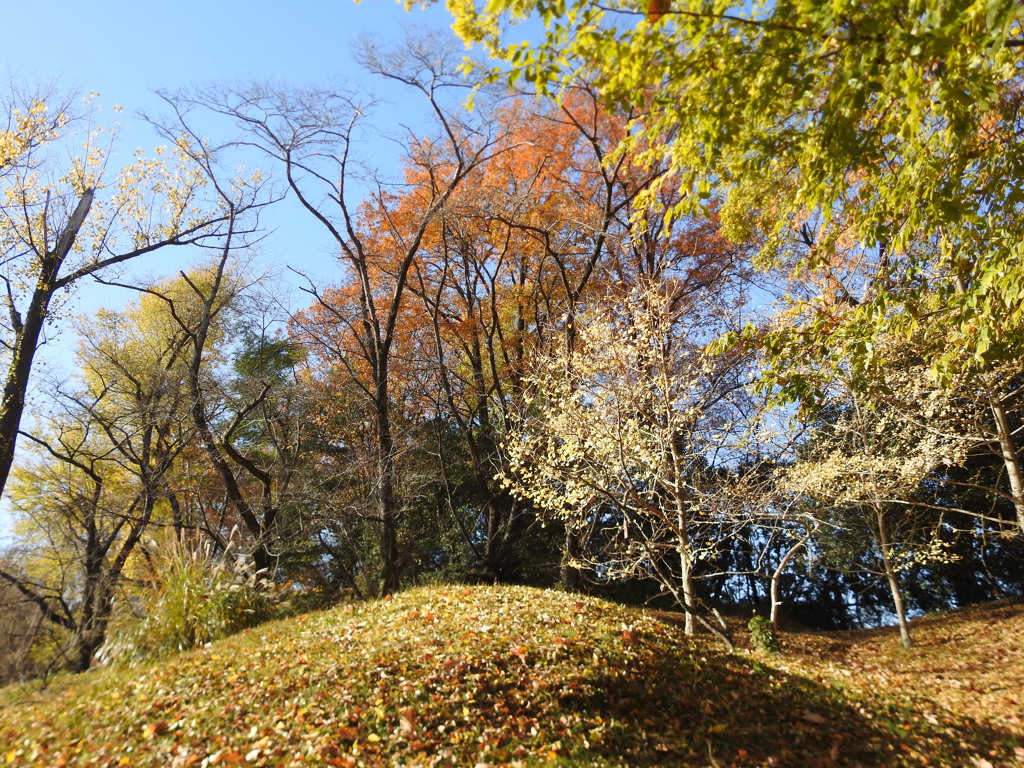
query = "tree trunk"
{"x": 689, "y": 590}
{"x": 504, "y": 523}
{"x": 257, "y": 519}
{"x": 27, "y": 331}
{"x": 685, "y": 564}
{"x": 1008, "y": 451}
{"x": 26, "y": 341}
{"x": 572, "y": 577}
{"x": 90, "y": 634}
{"x": 90, "y": 630}
{"x": 894, "y": 584}
{"x": 776, "y": 586}
{"x": 387, "y": 506}
{"x": 684, "y": 591}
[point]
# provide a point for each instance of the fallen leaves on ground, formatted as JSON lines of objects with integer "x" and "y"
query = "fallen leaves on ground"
{"x": 506, "y": 676}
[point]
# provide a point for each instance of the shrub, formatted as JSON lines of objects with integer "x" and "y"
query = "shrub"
{"x": 762, "y": 636}
{"x": 194, "y": 596}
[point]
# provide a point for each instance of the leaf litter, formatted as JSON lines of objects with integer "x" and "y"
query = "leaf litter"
{"x": 512, "y": 676}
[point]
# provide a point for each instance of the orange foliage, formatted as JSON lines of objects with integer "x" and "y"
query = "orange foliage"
{"x": 529, "y": 237}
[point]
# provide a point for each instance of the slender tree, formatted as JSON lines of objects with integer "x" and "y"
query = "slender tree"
{"x": 623, "y": 433}
{"x": 311, "y": 136}
{"x": 65, "y": 219}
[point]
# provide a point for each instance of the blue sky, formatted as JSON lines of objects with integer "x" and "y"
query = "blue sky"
{"x": 124, "y": 51}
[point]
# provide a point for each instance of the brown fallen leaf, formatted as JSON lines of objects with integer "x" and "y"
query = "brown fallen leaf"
{"x": 813, "y": 717}
{"x": 227, "y": 757}
{"x": 152, "y": 730}
{"x": 407, "y": 721}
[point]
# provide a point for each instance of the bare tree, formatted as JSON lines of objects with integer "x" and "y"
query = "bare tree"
{"x": 312, "y": 136}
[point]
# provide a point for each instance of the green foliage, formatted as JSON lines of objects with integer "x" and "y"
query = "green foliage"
{"x": 194, "y": 597}
{"x": 884, "y": 133}
{"x": 263, "y": 358}
{"x": 762, "y": 635}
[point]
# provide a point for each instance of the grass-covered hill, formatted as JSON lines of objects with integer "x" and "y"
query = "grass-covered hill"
{"x": 518, "y": 677}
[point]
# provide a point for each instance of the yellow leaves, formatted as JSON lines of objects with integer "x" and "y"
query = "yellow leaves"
{"x": 149, "y": 200}
{"x": 33, "y": 129}
{"x": 157, "y": 197}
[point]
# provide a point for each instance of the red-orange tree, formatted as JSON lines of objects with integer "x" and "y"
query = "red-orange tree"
{"x": 501, "y": 273}
{"x": 310, "y": 135}
{"x": 548, "y": 227}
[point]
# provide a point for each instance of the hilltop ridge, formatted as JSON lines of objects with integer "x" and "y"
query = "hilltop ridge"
{"x": 512, "y": 676}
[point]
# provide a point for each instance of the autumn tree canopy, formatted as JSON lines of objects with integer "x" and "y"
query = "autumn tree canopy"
{"x": 725, "y": 312}
{"x": 889, "y": 128}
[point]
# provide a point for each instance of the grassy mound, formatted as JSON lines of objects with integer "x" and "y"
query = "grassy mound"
{"x": 480, "y": 677}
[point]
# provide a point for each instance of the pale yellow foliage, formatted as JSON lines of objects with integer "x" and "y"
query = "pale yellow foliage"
{"x": 31, "y": 128}
{"x": 134, "y": 361}
{"x": 629, "y": 419}
{"x": 612, "y": 413}
{"x": 47, "y": 163}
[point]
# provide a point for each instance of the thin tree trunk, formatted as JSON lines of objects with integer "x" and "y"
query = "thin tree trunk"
{"x": 218, "y": 451}
{"x": 685, "y": 565}
{"x": 1010, "y": 456}
{"x": 776, "y": 583}
{"x": 572, "y": 577}
{"x": 387, "y": 507}
{"x": 894, "y": 584}
{"x": 689, "y": 591}
{"x": 666, "y": 579}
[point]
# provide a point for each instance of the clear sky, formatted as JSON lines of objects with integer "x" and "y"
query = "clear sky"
{"x": 125, "y": 50}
